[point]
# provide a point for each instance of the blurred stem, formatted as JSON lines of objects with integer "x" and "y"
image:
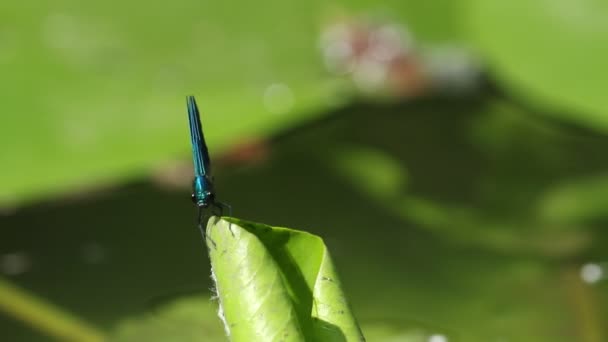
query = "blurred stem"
{"x": 43, "y": 316}
{"x": 584, "y": 306}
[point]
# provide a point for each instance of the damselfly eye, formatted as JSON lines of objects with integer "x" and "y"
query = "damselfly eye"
{"x": 193, "y": 198}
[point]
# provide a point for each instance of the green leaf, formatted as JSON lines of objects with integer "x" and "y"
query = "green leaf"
{"x": 574, "y": 202}
{"x": 386, "y": 179}
{"x": 552, "y": 52}
{"x": 191, "y": 319}
{"x": 277, "y": 284}
{"x": 95, "y": 94}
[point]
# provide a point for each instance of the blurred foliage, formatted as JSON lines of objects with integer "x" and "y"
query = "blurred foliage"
{"x": 580, "y": 200}
{"x": 44, "y": 316}
{"x": 96, "y": 92}
{"x": 402, "y": 274}
{"x": 465, "y": 217}
{"x": 551, "y": 53}
{"x": 184, "y": 320}
{"x": 479, "y": 193}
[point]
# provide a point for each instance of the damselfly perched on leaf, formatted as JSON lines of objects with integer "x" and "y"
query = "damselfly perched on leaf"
{"x": 203, "y": 194}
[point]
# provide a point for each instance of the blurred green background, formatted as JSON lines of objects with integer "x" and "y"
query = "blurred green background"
{"x": 452, "y": 154}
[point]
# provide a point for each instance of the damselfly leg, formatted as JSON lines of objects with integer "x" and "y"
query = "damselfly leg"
{"x": 201, "y": 220}
{"x": 219, "y": 211}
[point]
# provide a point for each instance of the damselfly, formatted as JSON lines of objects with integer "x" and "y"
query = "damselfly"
{"x": 203, "y": 194}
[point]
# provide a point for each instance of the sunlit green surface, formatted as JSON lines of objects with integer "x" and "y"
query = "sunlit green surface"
{"x": 95, "y": 93}
{"x": 550, "y": 53}
{"x": 277, "y": 284}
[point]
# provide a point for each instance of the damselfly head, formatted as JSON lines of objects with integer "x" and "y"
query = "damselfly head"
{"x": 201, "y": 203}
